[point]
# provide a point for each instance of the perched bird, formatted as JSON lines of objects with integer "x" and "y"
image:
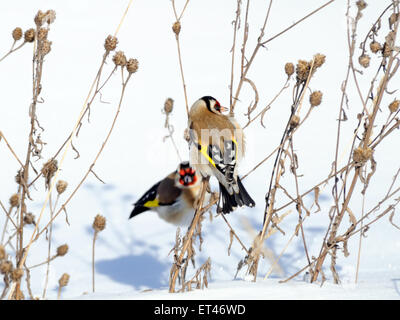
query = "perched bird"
{"x": 216, "y": 148}
{"x": 173, "y": 198}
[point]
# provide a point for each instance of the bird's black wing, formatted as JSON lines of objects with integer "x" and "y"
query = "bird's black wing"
{"x": 147, "y": 201}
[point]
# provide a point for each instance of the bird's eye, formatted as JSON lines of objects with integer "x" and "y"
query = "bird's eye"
{"x": 217, "y": 106}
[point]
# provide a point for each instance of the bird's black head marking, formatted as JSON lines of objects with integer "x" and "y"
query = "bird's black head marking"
{"x": 207, "y": 100}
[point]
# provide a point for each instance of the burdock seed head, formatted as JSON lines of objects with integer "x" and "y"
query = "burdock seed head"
{"x": 132, "y": 65}
{"x": 46, "y": 47}
{"x": 176, "y": 27}
{"x": 386, "y": 51}
{"x": 6, "y": 267}
{"x": 19, "y": 176}
{"x": 17, "y": 274}
{"x": 364, "y": 60}
{"x": 289, "y": 69}
{"x": 361, "y": 4}
{"x": 63, "y": 282}
{"x": 29, "y": 35}
{"x": 42, "y": 33}
{"x": 29, "y": 218}
{"x": 119, "y": 58}
{"x": 394, "y": 106}
{"x": 50, "y": 16}
{"x": 111, "y": 43}
{"x": 61, "y": 186}
{"x": 316, "y": 98}
{"x": 392, "y": 19}
{"x": 168, "y": 105}
{"x": 362, "y": 155}
{"x": 375, "y": 47}
{"x": 14, "y": 200}
{"x": 2, "y": 252}
{"x": 302, "y": 70}
{"x": 294, "y": 122}
{"x": 99, "y": 223}
{"x": 62, "y": 250}
{"x": 39, "y": 18}
{"x": 319, "y": 60}
{"x": 49, "y": 169}
{"x": 17, "y": 33}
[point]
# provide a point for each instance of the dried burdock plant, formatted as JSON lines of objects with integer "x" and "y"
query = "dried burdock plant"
{"x": 99, "y": 224}
{"x": 28, "y": 175}
{"x": 176, "y": 29}
{"x": 119, "y": 59}
{"x": 110, "y": 44}
{"x": 61, "y": 186}
{"x": 48, "y": 171}
{"x": 167, "y": 110}
{"x": 2, "y": 252}
{"x": 62, "y": 282}
{"x": 17, "y": 34}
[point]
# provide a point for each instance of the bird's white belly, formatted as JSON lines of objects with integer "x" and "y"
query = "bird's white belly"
{"x": 176, "y": 214}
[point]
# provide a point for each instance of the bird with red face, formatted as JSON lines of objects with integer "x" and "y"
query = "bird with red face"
{"x": 173, "y": 198}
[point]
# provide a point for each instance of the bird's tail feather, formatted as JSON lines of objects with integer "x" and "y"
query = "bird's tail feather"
{"x": 229, "y": 202}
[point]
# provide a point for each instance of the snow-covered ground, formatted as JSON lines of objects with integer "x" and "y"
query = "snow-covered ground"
{"x": 132, "y": 256}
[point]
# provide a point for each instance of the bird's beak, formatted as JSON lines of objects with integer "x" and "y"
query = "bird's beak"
{"x": 224, "y": 109}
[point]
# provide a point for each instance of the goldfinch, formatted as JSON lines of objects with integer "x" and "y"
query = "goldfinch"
{"x": 216, "y": 143}
{"x": 173, "y": 198}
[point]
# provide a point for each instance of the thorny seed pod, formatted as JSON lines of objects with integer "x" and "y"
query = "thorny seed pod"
{"x": 63, "y": 281}
{"x": 394, "y": 106}
{"x": 61, "y": 186}
{"x": 17, "y": 34}
{"x": 386, "y": 51}
{"x": 364, "y": 60}
{"x": 132, "y": 65}
{"x": 29, "y": 218}
{"x": 50, "y": 16}
{"x": 62, "y": 250}
{"x": 14, "y": 200}
{"x": 17, "y": 274}
{"x": 2, "y": 252}
{"x": 39, "y": 18}
{"x": 361, "y": 155}
{"x": 46, "y": 47}
{"x": 42, "y": 33}
{"x": 119, "y": 58}
{"x": 99, "y": 223}
{"x": 29, "y": 35}
{"x": 316, "y": 98}
{"x": 111, "y": 43}
{"x": 19, "y": 176}
{"x": 6, "y": 267}
{"x": 49, "y": 169}
{"x": 168, "y": 105}
{"x": 176, "y": 27}
{"x": 294, "y": 121}
{"x": 392, "y": 19}
{"x": 375, "y": 47}
{"x": 319, "y": 60}
{"x": 361, "y": 4}
{"x": 289, "y": 69}
{"x": 390, "y": 38}
{"x": 302, "y": 70}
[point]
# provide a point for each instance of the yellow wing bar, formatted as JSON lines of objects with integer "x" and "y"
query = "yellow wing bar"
{"x": 151, "y": 203}
{"x": 203, "y": 151}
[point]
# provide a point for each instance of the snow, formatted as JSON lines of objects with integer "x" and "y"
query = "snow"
{"x": 132, "y": 256}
